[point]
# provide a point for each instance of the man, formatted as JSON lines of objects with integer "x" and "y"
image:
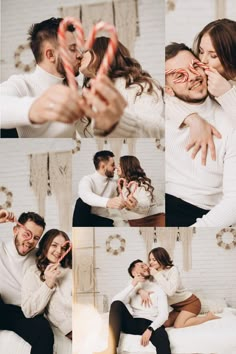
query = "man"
{"x": 97, "y": 193}
{"x": 197, "y": 195}
{"x": 16, "y": 256}
{"x": 145, "y": 321}
{"x": 38, "y": 105}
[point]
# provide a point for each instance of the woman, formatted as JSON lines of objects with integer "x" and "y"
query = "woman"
{"x": 47, "y": 286}
{"x": 186, "y": 306}
{"x": 145, "y": 211}
{"x": 215, "y": 46}
{"x": 144, "y": 113}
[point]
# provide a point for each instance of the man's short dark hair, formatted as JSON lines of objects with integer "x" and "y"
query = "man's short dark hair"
{"x": 100, "y": 156}
{"x": 45, "y": 30}
{"x": 174, "y": 48}
{"x": 31, "y": 216}
{"x": 132, "y": 265}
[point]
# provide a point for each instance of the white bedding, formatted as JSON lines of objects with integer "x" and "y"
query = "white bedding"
{"x": 217, "y": 336}
{"x": 11, "y": 343}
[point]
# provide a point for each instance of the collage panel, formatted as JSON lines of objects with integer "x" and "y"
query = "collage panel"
{"x": 119, "y": 182}
{"x": 35, "y": 247}
{"x": 126, "y": 280}
{"x": 200, "y": 113}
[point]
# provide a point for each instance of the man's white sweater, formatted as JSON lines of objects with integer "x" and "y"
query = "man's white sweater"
{"x": 12, "y": 269}
{"x": 213, "y": 186}
{"x": 96, "y": 190}
{"x": 157, "y": 312}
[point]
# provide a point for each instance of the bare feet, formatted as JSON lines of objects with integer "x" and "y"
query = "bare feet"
{"x": 211, "y": 316}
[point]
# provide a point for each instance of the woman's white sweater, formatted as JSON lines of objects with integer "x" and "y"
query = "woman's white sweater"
{"x": 56, "y": 303}
{"x": 170, "y": 282}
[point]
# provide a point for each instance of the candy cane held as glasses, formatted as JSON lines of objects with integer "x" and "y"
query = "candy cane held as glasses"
{"x": 185, "y": 76}
{"x": 67, "y": 251}
{"x": 112, "y": 45}
{"x": 64, "y": 49}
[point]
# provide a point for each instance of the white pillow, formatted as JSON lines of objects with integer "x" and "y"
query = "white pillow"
{"x": 208, "y": 303}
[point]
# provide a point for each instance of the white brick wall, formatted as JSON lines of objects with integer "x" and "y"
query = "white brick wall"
{"x": 213, "y": 268}
{"x": 189, "y": 17}
{"x": 17, "y": 16}
{"x": 151, "y": 159}
{"x": 14, "y": 175}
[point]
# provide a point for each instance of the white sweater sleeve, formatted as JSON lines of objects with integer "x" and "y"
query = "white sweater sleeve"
{"x": 88, "y": 196}
{"x": 224, "y": 213}
{"x": 125, "y": 294}
{"x": 15, "y": 104}
{"x": 163, "y": 312}
{"x": 35, "y": 294}
{"x": 143, "y": 198}
{"x": 170, "y": 285}
{"x": 228, "y": 103}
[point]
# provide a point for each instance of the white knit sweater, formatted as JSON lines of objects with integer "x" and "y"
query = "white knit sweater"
{"x": 157, "y": 312}
{"x": 213, "y": 186}
{"x": 56, "y": 303}
{"x": 96, "y": 190}
{"x": 170, "y": 282}
{"x": 12, "y": 269}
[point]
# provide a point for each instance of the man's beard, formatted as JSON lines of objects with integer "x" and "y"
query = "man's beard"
{"x": 109, "y": 174}
{"x": 188, "y": 99}
{"x": 61, "y": 70}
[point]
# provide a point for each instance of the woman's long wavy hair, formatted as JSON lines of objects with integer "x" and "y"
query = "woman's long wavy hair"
{"x": 132, "y": 171}
{"x": 162, "y": 257}
{"x": 223, "y": 36}
{"x": 41, "y": 254}
{"x": 123, "y": 65}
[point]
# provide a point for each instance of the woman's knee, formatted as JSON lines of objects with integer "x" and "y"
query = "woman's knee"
{"x": 117, "y": 305}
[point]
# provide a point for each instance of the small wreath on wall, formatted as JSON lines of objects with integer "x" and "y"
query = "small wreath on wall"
{"x": 18, "y": 62}
{"x": 112, "y": 250}
{"x": 222, "y": 243}
{"x": 8, "y": 203}
{"x": 159, "y": 145}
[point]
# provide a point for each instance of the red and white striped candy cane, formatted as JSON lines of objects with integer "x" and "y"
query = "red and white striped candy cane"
{"x": 112, "y": 46}
{"x": 64, "y": 50}
{"x": 67, "y": 251}
{"x": 119, "y": 185}
{"x": 135, "y": 187}
{"x": 198, "y": 63}
{"x": 127, "y": 185}
{"x": 179, "y": 71}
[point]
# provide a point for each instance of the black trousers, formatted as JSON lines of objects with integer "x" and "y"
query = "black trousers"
{"x": 36, "y": 331}
{"x": 120, "y": 320}
{"x": 181, "y": 213}
{"x": 82, "y": 216}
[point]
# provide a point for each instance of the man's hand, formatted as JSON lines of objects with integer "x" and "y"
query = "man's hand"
{"x": 103, "y": 103}
{"x": 130, "y": 203}
{"x": 138, "y": 278}
{"x": 145, "y": 337}
{"x": 217, "y": 84}
{"x": 116, "y": 203}
{"x": 6, "y": 216}
{"x": 59, "y": 103}
{"x": 201, "y": 137}
{"x": 51, "y": 273}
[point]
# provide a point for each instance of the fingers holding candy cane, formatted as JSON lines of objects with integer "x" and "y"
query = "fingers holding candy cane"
{"x": 6, "y": 216}
{"x": 50, "y": 274}
{"x": 69, "y": 245}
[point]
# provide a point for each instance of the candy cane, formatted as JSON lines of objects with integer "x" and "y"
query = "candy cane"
{"x": 180, "y": 71}
{"x": 66, "y": 252}
{"x": 127, "y": 185}
{"x": 135, "y": 188}
{"x": 119, "y": 186}
{"x": 198, "y": 63}
{"x": 64, "y": 50}
{"x": 112, "y": 45}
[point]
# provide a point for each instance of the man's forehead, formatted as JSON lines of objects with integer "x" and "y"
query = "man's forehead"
{"x": 70, "y": 38}
{"x": 182, "y": 60}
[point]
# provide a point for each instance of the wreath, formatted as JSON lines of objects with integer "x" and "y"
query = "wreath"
{"x": 223, "y": 244}
{"x": 18, "y": 62}
{"x": 8, "y": 202}
{"x": 115, "y": 251}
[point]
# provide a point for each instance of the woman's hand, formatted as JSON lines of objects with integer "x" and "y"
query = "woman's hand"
{"x": 217, "y": 84}
{"x": 153, "y": 271}
{"x": 51, "y": 273}
{"x": 146, "y": 337}
{"x": 138, "y": 278}
{"x": 6, "y": 216}
{"x": 130, "y": 202}
{"x": 145, "y": 296}
{"x": 201, "y": 137}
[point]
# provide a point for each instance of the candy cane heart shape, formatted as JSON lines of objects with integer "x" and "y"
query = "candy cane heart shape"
{"x": 119, "y": 186}
{"x": 66, "y": 252}
{"x": 131, "y": 183}
{"x": 127, "y": 185}
{"x": 64, "y": 51}
{"x": 112, "y": 45}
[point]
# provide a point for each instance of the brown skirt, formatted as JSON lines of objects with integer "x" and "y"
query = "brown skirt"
{"x": 151, "y": 220}
{"x": 192, "y": 304}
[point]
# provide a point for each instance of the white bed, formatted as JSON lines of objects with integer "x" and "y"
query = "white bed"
{"x": 11, "y": 343}
{"x": 213, "y": 337}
